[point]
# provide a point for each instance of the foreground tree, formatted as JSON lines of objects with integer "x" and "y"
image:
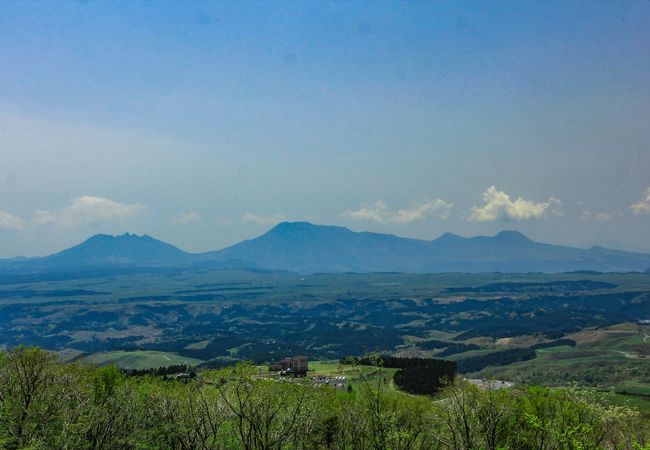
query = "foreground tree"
{"x": 375, "y": 416}
{"x": 574, "y": 418}
{"x": 271, "y": 414}
{"x": 187, "y": 416}
{"x": 28, "y": 407}
{"x": 534, "y": 418}
{"x": 48, "y": 405}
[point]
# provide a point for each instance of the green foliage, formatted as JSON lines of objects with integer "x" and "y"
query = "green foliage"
{"x": 377, "y": 417}
{"x": 535, "y": 418}
{"x": 503, "y": 357}
{"x": 415, "y": 375}
{"x": 105, "y": 381}
{"x": 45, "y": 404}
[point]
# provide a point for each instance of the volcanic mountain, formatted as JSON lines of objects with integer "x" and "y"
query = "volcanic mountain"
{"x": 306, "y": 248}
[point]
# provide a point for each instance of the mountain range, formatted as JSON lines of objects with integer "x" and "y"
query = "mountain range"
{"x": 307, "y": 248}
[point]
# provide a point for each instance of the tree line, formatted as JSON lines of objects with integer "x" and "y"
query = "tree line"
{"x": 506, "y": 357}
{"x": 162, "y": 371}
{"x": 45, "y": 404}
{"x": 423, "y": 376}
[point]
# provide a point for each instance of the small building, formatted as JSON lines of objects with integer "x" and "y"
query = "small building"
{"x": 294, "y": 364}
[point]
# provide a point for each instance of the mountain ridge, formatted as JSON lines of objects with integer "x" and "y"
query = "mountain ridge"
{"x": 305, "y": 247}
{"x": 288, "y": 246}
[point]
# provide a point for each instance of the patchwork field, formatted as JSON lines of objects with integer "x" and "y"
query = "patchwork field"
{"x": 614, "y": 358}
{"x": 526, "y": 328}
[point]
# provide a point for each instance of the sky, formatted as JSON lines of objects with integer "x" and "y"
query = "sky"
{"x": 203, "y": 124}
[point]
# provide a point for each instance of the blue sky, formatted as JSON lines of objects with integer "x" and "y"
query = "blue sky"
{"x": 205, "y": 123}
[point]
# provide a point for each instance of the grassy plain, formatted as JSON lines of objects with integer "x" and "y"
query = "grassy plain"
{"x": 138, "y": 359}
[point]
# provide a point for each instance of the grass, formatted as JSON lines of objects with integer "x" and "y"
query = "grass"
{"x": 599, "y": 359}
{"x": 469, "y": 354}
{"x": 138, "y": 359}
{"x": 354, "y": 375}
{"x": 556, "y": 349}
{"x": 609, "y": 358}
{"x": 633, "y": 388}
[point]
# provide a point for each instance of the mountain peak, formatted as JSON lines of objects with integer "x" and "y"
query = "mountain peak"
{"x": 291, "y": 228}
{"x": 449, "y": 237}
{"x": 124, "y": 236}
{"x": 126, "y": 248}
{"x": 512, "y": 236}
{"x": 287, "y": 226}
{"x": 303, "y": 228}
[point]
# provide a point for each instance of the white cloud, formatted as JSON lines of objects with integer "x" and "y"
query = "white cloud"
{"x": 187, "y": 218}
{"x": 379, "y": 212}
{"x": 499, "y": 206}
{"x": 438, "y": 207}
{"x": 10, "y": 222}
{"x": 86, "y": 210}
{"x": 642, "y": 206}
{"x": 43, "y": 217}
{"x": 374, "y": 212}
{"x": 262, "y": 220}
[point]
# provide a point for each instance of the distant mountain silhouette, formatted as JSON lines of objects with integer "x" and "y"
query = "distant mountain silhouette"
{"x": 126, "y": 249}
{"x": 304, "y": 247}
{"x": 102, "y": 252}
{"x": 307, "y": 248}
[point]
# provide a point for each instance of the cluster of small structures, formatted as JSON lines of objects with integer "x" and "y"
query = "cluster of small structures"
{"x": 490, "y": 385}
{"x": 338, "y": 382}
{"x": 297, "y": 366}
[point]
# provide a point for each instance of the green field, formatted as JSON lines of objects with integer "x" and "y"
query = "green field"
{"x": 138, "y": 359}
{"x": 354, "y": 375}
{"x": 634, "y": 388}
{"x": 604, "y": 357}
{"x": 615, "y": 358}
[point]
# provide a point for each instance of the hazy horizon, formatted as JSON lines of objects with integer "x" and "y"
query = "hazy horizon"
{"x": 203, "y": 124}
{"x": 271, "y": 227}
